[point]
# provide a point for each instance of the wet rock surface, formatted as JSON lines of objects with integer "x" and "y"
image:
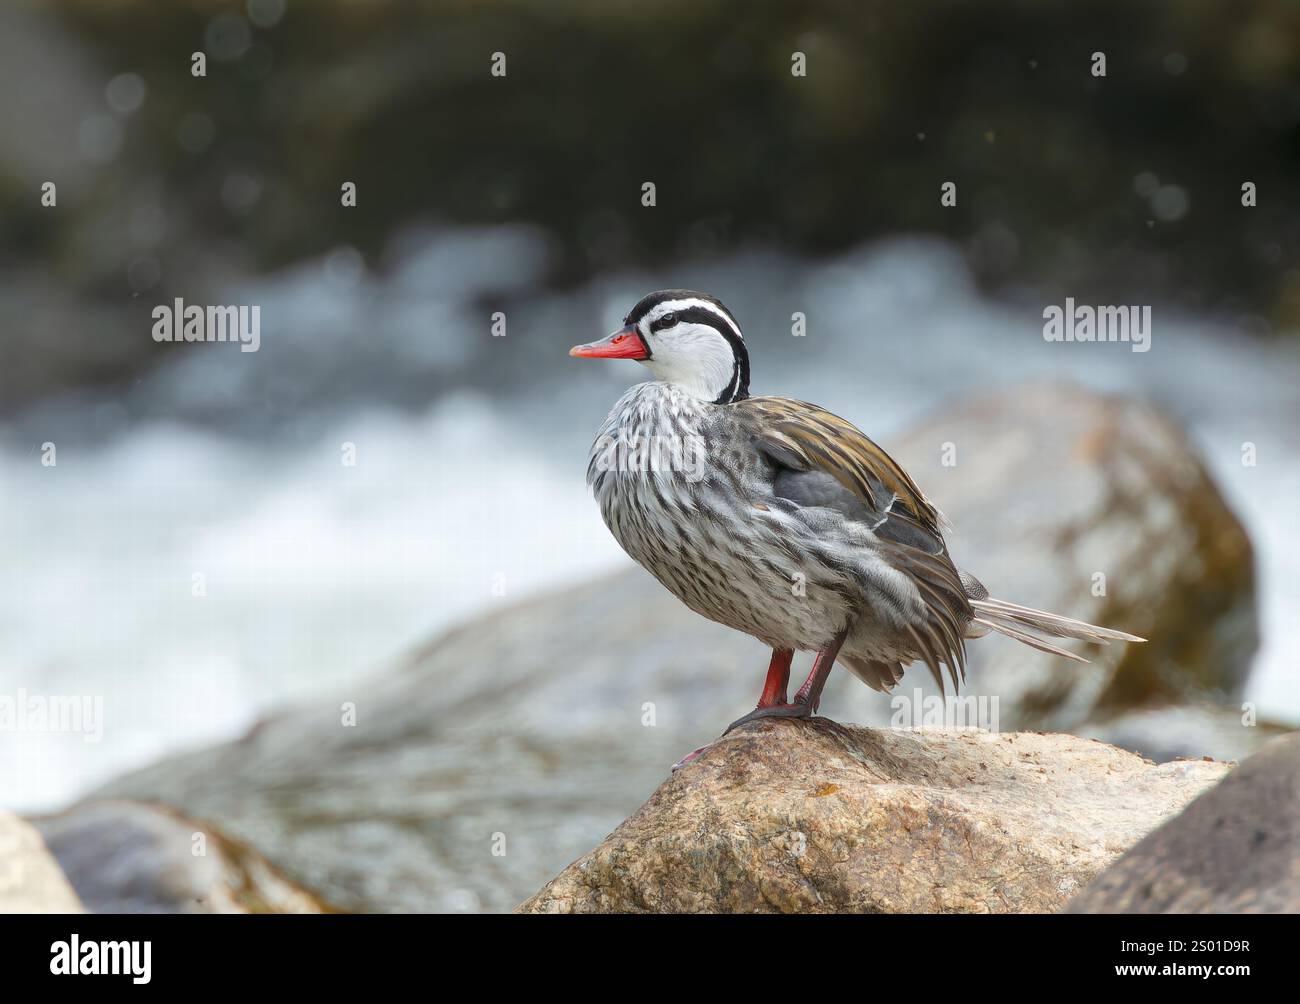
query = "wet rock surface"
{"x": 814, "y": 817}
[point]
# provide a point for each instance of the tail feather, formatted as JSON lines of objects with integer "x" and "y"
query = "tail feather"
{"x": 1031, "y": 640}
{"x": 1056, "y": 625}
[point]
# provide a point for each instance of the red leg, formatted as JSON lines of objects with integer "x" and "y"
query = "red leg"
{"x": 809, "y": 695}
{"x": 811, "y": 691}
{"x": 772, "y": 703}
{"x": 778, "y": 676}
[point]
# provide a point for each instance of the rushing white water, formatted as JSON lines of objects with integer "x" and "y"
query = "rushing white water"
{"x": 312, "y": 573}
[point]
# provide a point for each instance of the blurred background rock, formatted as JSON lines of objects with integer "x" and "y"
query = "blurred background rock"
{"x": 521, "y": 194}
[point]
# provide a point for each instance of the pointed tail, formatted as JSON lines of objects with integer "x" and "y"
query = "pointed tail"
{"x": 1025, "y": 624}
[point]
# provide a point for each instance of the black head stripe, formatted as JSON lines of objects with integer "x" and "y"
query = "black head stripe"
{"x": 694, "y": 315}
{"x": 648, "y": 303}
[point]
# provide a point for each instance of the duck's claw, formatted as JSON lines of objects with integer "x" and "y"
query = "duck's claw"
{"x": 795, "y": 709}
{"x": 693, "y": 755}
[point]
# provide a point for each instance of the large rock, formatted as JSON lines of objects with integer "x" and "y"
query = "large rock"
{"x": 1058, "y": 494}
{"x": 31, "y": 881}
{"x": 815, "y": 817}
{"x": 548, "y": 721}
{"x": 124, "y": 857}
{"x": 1236, "y": 849}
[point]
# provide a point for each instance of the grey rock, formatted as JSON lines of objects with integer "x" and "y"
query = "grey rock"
{"x": 1236, "y": 849}
{"x": 125, "y": 857}
{"x": 1054, "y": 486}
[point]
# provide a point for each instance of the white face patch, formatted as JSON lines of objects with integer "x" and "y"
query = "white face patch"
{"x": 691, "y": 354}
{"x": 694, "y": 357}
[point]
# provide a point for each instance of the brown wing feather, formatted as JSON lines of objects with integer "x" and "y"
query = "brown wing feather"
{"x": 806, "y": 437}
{"x": 819, "y": 439}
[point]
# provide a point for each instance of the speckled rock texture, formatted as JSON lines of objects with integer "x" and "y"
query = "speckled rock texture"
{"x": 1236, "y": 849}
{"x": 815, "y": 817}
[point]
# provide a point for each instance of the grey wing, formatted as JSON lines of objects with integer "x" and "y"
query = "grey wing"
{"x": 817, "y": 488}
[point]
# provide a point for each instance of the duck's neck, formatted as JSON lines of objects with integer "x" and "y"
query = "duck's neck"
{"x": 722, "y": 382}
{"x": 737, "y": 388}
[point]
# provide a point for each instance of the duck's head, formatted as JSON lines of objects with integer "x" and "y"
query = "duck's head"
{"x": 684, "y": 338}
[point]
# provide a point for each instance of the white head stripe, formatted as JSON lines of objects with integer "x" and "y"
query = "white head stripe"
{"x": 668, "y": 306}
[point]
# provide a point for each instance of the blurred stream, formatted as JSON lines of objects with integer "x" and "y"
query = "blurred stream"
{"x": 471, "y": 450}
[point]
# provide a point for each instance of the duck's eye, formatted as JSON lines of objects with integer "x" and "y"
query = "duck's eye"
{"x": 663, "y": 322}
